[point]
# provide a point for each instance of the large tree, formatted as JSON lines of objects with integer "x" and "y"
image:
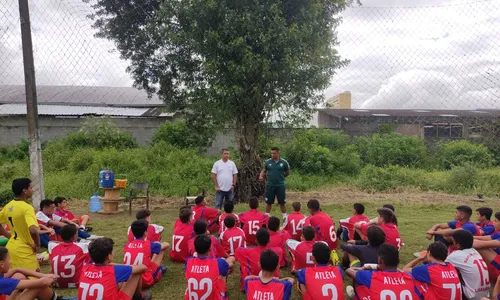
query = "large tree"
{"x": 228, "y": 61}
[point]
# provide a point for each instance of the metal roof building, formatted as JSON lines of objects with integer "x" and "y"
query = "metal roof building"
{"x": 75, "y": 101}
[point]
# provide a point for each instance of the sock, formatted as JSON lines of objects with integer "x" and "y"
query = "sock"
{"x": 268, "y": 214}
{"x": 82, "y": 227}
{"x": 284, "y": 215}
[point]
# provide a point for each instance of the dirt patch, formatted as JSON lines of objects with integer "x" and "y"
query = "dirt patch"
{"x": 326, "y": 196}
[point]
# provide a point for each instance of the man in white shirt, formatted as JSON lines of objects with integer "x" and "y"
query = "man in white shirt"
{"x": 471, "y": 266}
{"x": 224, "y": 174}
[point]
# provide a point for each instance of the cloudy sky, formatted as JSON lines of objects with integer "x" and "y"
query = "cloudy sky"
{"x": 403, "y": 53}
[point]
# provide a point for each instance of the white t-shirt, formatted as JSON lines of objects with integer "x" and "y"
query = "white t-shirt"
{"x": 224, "y": 172}
{"x": 474, "y": 272}
{"x": 40, "y": 216}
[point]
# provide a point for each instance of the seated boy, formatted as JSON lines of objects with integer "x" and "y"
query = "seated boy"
{"x": 436, "y": 278}
{"x": 154, "y": 231}
{"x": 278, "y": 238}
{"x": 252, "y": 220}
{"x": 321, "y": 281}
{"x": 295, "y": 222}
{"x": 265, "y": 285}
{"x": 183, "y": 231}
{"x": 356, "y": 254}
{"x": 200, "y": 227}
{"x": 301, "y": 252}
{"x": 228, "y": 211}
{"x": 68, "y": 258}
{"x": 484, "y": 220}
{"x": 142, "y": 251}
{"x": 442, "y": 232}
{"x": 14, "y": 280}
{"x": 385, "y": 222}
{"x": 46, "y": 235}
{"x": 201, "y": 211}
{"x": 386, "y": 280}
{"x": 233, "y": 237}
{"x": 348, "y": 232}
{"x": 47, "y": 217}
{"x": 100, "y": 279}
{"x": 61, "y": 210}
{"x": 249, "y": 257}
{"x": 205, "y": 275}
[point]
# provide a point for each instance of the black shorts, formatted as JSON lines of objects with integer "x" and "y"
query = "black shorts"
{"x": 273, "y": 192}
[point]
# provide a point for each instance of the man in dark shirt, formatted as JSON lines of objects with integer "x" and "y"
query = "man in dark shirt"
{"x": 360, "y": 254}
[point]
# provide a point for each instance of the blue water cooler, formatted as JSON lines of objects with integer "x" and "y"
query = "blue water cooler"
{"x": 106, "y": 179}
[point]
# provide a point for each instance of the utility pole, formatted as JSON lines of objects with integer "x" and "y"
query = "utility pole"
{"x": 36, "y": 169}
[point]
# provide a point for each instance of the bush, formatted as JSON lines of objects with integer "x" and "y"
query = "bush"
{"x": 180, "y": 135}
{"x": 324, "y": 153}
{"x": 15, "y": 152}
{"x": 459, "y": 153}
{"x": 462, "y": 178}
{"x": 492, "y": 144}
{"x": 392, "y": 149}
{"x": 5, "y": 196}
{"x": 99, "y": 134}
{"x": 376, "y": 179}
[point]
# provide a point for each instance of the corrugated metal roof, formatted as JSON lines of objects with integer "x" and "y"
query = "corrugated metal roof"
{"x": 410, "y": 112}
{"x": 80, "y": 110}
{"x": 81, "y": 95}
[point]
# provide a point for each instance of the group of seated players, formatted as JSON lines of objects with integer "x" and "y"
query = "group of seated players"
{"x": 452, "y": 267}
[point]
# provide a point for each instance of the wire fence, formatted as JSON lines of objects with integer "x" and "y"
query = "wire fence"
{"x": 431, "y": 71}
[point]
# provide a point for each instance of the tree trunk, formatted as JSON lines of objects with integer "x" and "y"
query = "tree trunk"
{"x": 247, "y": 137}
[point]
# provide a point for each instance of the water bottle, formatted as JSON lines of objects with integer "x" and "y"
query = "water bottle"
{"x": 95, "y": 204}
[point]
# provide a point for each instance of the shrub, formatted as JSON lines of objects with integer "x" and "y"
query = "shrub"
{"x": 324, "y": 137}
{"x": 100, "y": 134}
{"x": 462, "y": 152}
{"x": 5, "y": 196}
{"x": 376, "y": 179}
{"x": 312, "y": 156}
{"x": 180, "y": 135}
{"x": 462, "y": 178}
{"x": 492, "y": 144}
{"x": 15, "y": 152}
{"x": 392, "y": 149}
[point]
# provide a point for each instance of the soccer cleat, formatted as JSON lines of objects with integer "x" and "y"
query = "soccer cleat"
{"x": 88, "y": 229}
{"x": 44, "y": 256}
{"x": 349, "y": 291}
{"x": 94, "y": 237}
{"x": 163, "y": 269}
{"x": 146, "y": 294}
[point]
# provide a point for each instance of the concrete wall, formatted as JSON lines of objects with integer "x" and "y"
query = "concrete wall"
{"x": 14, "y": 128}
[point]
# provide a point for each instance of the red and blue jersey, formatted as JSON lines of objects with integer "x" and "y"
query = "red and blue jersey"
{"x": 207, "y": 213}
{"x": 249, "y": 259}
{"x": 323, "y": 282}
{"x": 278, "y": 239}
{"x": 295, "y": 224}
{"x": 140, "y": 252}
{"x": 325, "y": 229}
{"x": 252, "y": 221}
{"x": 274, "y": 289}
{"x": 496, "y": 236}
{"x": 7, "y": 286}
{"x": 487, "y": 228}
{"x": 182, "y": 233}
{"x": 67, "y": 261}
{"x": 469, "y": 226}
{"x": 101, "y": 282}
{"x": 439, "y": 282}
{"x": 203, "y": 278}
{"x": 215, "y": 251}
{"x": 382, "y": 284}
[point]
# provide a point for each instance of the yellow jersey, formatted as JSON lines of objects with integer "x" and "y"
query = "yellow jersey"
{"x": 20, "y": 216}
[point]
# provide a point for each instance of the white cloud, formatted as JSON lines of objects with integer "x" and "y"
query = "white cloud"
{"x": 404, "y": 53}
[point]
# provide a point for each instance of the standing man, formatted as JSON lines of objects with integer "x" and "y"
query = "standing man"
{"x": 224, "y": 175}
{"x": 276, "y": 170}
{"x": 24, "y": 241}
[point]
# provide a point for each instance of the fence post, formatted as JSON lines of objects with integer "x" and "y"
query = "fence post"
{"x": 36, "y": 169}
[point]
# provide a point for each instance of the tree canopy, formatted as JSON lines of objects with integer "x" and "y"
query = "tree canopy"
{"x": 227, "y": 61}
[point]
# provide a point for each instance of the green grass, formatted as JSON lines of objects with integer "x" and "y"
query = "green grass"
{"x": 413, "y": 220}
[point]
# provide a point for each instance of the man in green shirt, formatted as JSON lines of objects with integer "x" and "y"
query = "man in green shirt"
{"x": 276, "y": 170}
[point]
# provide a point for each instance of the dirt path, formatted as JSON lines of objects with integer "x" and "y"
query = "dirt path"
{"x": 331, "y": 196}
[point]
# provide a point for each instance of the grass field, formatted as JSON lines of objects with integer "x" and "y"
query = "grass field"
{"x": 414, "y": 219}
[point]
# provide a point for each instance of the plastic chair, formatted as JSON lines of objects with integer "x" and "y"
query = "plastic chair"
{"x": 136, "y": 189}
